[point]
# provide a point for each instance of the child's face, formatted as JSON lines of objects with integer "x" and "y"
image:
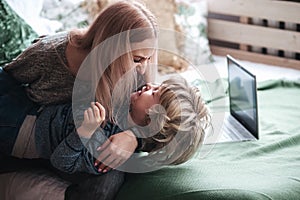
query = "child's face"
{"x": 141, "y": 101}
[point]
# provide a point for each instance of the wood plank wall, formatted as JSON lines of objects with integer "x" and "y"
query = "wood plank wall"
{"x": 264, "y": 31}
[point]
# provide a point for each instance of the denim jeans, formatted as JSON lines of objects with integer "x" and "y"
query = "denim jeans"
{"x": 14, "y": 106}
{"x": 95, "y": 187}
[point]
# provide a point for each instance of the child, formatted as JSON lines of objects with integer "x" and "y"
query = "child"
{"x": 72, "y": 149}
{"x": 178, "y": 115}
{"x": 174, "y": 110}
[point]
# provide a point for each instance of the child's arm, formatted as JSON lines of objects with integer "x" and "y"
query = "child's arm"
{"x": 77, "y": 151}
{"x": 93, "y": 118}
{"x": 75, "y": 154}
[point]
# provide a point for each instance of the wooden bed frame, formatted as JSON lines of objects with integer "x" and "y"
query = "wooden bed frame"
{"x": 263, "y": 31}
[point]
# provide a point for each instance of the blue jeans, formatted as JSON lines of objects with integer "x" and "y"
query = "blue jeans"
{"x": 95, "y": 187}
{"x": 14, "y": 106}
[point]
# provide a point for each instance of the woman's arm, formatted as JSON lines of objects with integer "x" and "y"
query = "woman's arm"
{"x": 24, "y": 68}
{"x": 116, "y": 150}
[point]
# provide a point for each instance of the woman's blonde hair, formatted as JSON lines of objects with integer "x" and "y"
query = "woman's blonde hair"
{"x": 182, "y": 124}
{"x": 108, "y": 65}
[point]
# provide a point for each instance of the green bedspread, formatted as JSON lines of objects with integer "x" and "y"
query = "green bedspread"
{"x": 265, "y": 169}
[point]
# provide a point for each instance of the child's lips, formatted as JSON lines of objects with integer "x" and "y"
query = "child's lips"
{"x": 135, "y": 95}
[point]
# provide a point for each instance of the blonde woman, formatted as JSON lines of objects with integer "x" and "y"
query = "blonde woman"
{"x": 49, "y": 68}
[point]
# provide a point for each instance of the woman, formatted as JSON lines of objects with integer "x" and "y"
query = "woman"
{"x": 49, "y": 67}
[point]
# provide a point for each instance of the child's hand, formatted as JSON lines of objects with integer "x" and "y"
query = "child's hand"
{"x": 93, "y": 118}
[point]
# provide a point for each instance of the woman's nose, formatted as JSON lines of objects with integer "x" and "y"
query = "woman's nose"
{"x": 147, "y": 87}
{"x": 141, "y": 68}
{"x": 153, "y": 86}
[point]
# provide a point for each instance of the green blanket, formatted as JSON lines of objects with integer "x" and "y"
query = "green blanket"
{"x": 265, "y": 169}
{"x": 15, "y": 34}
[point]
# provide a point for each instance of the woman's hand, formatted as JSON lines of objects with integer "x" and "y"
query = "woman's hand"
{"x": 93, "y": 118}
{"x": 116, "y": 150}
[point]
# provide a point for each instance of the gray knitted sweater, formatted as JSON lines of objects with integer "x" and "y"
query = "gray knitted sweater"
{"x": 43, "y": 66}
{"x": 56, "y": 139}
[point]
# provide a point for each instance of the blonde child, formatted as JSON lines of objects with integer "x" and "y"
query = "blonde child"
{"x": 174, "y": 110}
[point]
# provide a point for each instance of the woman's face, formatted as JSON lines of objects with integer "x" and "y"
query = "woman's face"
{"x": 141, "y": 101}
{"x": 142, "y": 54}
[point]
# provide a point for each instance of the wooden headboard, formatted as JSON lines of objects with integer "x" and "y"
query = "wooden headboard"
{"x": 263, "y": 31}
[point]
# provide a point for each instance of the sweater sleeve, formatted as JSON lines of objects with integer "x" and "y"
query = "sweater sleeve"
{"x": 75, "y": 154}
{"x": 24, "y": 68}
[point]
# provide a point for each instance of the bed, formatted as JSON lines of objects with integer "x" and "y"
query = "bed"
{"x": 265, "y": 169}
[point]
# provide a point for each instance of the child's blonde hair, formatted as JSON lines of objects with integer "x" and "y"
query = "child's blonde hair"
{"x": 182, "y": 123}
